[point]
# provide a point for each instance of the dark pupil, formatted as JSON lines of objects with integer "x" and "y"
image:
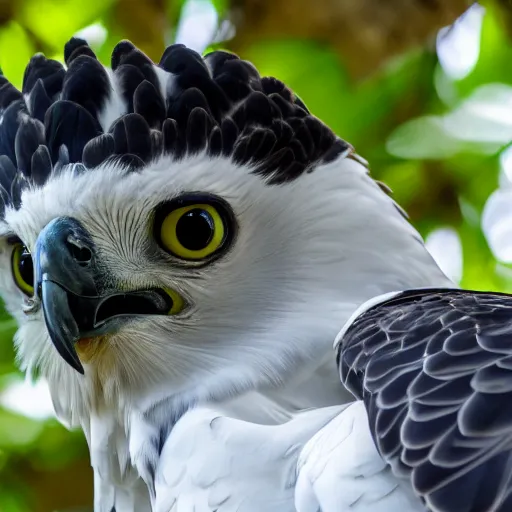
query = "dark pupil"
{"x": 195, "y": 229}
{"x": 26, "y": 268}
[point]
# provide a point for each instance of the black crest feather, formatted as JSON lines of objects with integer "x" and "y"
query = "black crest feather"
{"x": 183, "y": 105}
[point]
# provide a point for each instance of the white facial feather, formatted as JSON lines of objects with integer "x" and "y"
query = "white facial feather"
{"x": 262, "y": 318}
{"x": 257, "y": 311}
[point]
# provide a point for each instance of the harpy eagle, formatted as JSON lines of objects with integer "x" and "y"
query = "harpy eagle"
{"x": 181, "y": 244}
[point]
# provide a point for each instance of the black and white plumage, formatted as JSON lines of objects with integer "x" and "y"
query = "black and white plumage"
{"x": 288, "y": 235}
{"x": 434, "y": 369}
{"x": 137, "y": 111}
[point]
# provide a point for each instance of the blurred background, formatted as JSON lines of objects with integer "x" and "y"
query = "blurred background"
{"x": 421, "y": 88}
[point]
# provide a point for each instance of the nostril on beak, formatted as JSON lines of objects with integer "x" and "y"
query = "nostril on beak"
{"x": 80, "y": 252}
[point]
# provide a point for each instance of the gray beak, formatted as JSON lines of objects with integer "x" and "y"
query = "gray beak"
{"x": 69, "y": 281}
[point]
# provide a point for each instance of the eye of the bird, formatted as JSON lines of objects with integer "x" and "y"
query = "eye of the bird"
{"x": 22, "y": 269}
{"x": 194, "y": 227}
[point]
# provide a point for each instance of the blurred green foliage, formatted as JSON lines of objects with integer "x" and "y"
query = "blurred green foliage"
{"x": 403, "y": 119}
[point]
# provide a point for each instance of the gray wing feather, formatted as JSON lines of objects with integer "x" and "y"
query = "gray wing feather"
{"x": 434, "y": 368}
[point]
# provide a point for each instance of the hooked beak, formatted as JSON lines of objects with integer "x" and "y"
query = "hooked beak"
{"x": 71, "y": 286}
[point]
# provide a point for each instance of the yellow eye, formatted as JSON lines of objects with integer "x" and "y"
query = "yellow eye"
{"x": 178, "y": 304}
{"x": 193, "y": 232}
{"x": 23, "y": 269}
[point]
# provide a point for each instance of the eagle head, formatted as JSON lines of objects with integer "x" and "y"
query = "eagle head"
{"x": 186, "y": 228}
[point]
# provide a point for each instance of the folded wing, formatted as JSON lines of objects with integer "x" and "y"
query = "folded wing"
{"x": 434, "y": 369}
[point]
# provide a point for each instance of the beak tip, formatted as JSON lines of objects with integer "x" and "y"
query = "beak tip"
{"x": 71, "y": 357}
{"x": 80, "y": 369}
{"x": 60, "y": 323}
{"x": 74, "y": 362}
{"x": 68, "y": 354}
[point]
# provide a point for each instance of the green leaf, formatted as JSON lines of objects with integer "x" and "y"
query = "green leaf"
{"x": 17, "y": 431}
{"x": 55, "y": 21}
{"x": 423, "y": 138}
{"x": 361, "y": 113}
{"x": 11, "y": 501}
{"x": 13, "y": 63}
